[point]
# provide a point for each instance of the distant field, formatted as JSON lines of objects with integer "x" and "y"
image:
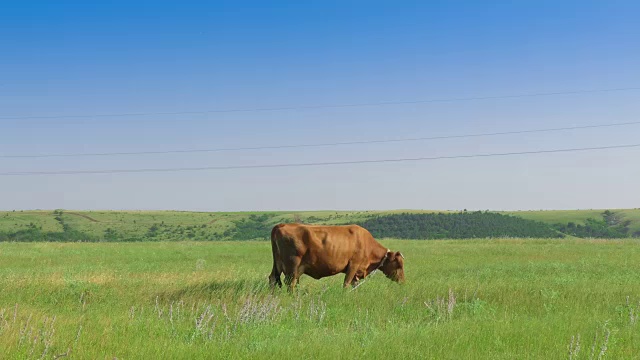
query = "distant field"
{"x": 177, "y": 225}
{"x": 464, "y": 299}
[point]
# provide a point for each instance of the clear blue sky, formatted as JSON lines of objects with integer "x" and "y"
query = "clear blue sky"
{"x": 79, "y": 58}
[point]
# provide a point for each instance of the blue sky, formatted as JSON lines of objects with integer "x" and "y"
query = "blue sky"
{"x": 74, "y": 58}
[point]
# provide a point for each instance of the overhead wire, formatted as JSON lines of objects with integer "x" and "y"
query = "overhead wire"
{"x": 327, "y": 106}
{"x": 293, "y": 146}
{"x": 329, "y": 163}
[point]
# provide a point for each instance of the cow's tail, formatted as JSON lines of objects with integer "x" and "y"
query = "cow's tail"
{"x": 274, "y": 278}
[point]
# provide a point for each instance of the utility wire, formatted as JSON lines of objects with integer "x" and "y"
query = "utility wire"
{"x": 379, "y": 141}
{"x": 311, "y": 107}
{"x": 234, "y": 167}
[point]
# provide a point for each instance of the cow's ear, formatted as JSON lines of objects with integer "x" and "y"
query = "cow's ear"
{"x": 399, "y": 254}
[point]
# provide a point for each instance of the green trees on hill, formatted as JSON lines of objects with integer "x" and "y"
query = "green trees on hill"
{"x": 462, "y": 225}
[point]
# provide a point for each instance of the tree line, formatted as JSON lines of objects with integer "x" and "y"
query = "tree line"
{"x": 461, "y": 225}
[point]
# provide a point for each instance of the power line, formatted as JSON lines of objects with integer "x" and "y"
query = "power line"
{"x": 379, "y": 141}
{"x": 235, "y": 167}
{"x": 312, "y": 107}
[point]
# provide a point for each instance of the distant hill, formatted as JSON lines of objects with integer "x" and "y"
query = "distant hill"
{"x": 68, "y": 225}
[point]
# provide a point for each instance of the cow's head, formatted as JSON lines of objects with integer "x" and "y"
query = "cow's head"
{"x": 393, "y": 266}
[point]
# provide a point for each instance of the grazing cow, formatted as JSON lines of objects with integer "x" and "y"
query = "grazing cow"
{"x": 320, "y": 251}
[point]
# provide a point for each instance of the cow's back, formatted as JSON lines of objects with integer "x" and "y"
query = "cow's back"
{"x": 320, "y": 250}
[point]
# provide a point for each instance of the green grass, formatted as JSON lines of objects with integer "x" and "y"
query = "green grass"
{"x": 513, "y": 299}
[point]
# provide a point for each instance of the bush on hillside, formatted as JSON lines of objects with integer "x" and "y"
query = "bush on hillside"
{"x": 612, "y": 226}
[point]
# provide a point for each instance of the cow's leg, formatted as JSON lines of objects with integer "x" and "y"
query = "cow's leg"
{"x": 350, "y": 275}
{"x": 291, "y": 281}
{"x": 292, "y": 273}
{"x": 274, "y": 278}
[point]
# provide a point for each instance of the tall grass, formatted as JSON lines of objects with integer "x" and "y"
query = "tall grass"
{"x": 491, "y": 299}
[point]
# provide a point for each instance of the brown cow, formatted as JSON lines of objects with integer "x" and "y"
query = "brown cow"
{"x": 320, "y": 251}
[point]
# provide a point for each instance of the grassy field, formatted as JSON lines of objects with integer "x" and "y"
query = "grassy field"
{"x": 464, "y": 299}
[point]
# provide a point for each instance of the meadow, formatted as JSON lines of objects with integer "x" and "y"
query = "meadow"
{"x": 463, "y": 299}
